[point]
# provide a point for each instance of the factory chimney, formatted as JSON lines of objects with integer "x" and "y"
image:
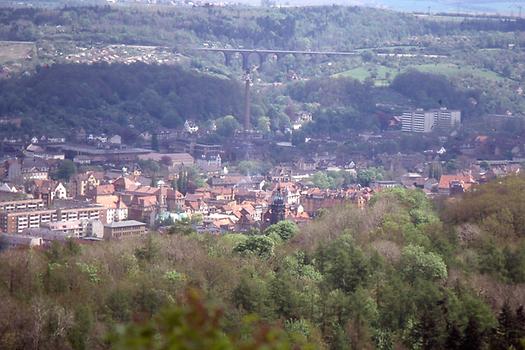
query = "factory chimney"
{"x": 248, "y": 81}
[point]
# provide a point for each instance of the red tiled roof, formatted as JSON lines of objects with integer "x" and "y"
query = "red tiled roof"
{"x": 146, "y": 201}
{"x": 107, "y": 189}
{"x": 144, "y": 190}
{"x": 125, "y": 183}
{"x": 466, "y": 179}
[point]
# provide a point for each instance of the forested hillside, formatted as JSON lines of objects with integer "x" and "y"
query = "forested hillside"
{"x": 340, "y": 28}
{"x": 398, "y": 274}
{"x": 111, "y": 98}
{"x": 128, "y": 99}
{"x": 401, "y": 60}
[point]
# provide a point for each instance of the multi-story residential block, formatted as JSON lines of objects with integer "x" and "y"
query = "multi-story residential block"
{"x": 26, "y": 169}
{"x": 419, "y": 120}
{"x": 24, "y": 204}
{"x": 115, "y": 211}
{"x": 446, "y": 120}
{"x": 19, "y": 220}
{"x": 35, "y": 215}
{"x": 79, "y": 213}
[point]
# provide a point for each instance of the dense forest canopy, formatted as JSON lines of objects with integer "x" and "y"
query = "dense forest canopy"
{"x": 288, "y": 28}
{"x": 398, "y": 273}
{"x": 110, "y": 98}
{"x": 327, "y": 27}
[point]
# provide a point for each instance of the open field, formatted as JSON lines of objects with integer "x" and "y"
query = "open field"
{"x": 16, "y": 51}
{"x": 452, "y": 69}
{"x": 382, "y": 74}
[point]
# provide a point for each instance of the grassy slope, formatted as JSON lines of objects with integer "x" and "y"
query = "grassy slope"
{"x": 449, "y": 69}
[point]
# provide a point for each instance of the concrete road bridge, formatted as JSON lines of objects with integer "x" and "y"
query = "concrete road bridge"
{"x": 263, "y": 54}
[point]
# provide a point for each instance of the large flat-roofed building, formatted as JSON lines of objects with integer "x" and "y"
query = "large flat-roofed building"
{"x": 96, "y": 155}
{"x": 14, "y": 241}
{"x": 16, "y": 220}
{"x": 73, "y": 228}
{"x": 194, "y": 148}
{"x": 24, "y": 204}
{"x": 122, "y": 229}
{"x": 441, "y": 120}
{"x": 417, "y": 120}
{"x": 446, "y": 119}
{"x": 81, "y": 213}
{"x": 68, "y": 210}
{"x": 175, "y": 158}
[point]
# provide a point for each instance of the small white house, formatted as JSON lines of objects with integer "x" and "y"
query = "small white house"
{"x": 190, "y": 127}
{"x": 115, "y": 140}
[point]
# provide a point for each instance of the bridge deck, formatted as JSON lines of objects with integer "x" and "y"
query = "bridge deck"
{"x": 283, "y": 52}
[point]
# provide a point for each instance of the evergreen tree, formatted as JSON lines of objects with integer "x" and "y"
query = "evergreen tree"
{"x": 155, "y": 142}
{"x": 474, "y": 337}
{"x": 435, "y": 171}
{"x": 454, "y": 338}
{"x": 182, "y": 182}
{"x": 504, "y": 336}
{"x": 426, "y": 330}
{"x": 520, "y": 322}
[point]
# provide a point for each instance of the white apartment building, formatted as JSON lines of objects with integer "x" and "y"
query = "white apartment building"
{"x": 446, "y": 119}
{"x": 419, "y": 120}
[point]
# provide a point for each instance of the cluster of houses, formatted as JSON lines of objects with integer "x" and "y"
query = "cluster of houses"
{"x": 112, "y": 196}
{"x": 126, "y": 54}
{"x": 97, "y": 205}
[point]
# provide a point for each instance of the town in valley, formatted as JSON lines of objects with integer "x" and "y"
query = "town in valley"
{"x": 187, "y": 174}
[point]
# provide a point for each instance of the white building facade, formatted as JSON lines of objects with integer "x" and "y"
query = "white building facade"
{"x": 421, "y": 121}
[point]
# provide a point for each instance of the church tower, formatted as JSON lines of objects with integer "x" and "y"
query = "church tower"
{"x": 277, "y": 208}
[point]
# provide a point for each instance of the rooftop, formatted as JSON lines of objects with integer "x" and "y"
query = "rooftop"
{"x": 73, "y": 204}
{"x": 126, "y": 223}
{"x": 96, "y": 151}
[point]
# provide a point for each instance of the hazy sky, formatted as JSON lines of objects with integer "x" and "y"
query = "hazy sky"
{"x": 471, "y": 6}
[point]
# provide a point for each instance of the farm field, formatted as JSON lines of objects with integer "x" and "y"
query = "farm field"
{"x": 14, "y": 54}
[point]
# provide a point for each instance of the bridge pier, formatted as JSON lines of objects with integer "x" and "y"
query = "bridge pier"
{"x": 245, "y": 61}
{"x": 227, "y": 58}
{"x": 262, "y": 58}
